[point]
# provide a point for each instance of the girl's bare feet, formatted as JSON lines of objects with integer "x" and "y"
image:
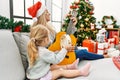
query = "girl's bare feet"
{"x": 74, "y": 65}
{"x": 84, "y": 71}
{"x": 106, "y": 56}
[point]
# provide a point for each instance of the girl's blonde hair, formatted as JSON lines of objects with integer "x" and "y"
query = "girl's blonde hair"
{"x": 42, "y": 20}
{"x": 37, "y": 34}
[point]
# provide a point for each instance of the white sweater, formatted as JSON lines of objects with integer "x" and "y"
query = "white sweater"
{"x": 42, "y": 64}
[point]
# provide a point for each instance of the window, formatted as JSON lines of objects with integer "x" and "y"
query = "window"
{"x": 56, "y": 12}
{"x": 18, "y": 11}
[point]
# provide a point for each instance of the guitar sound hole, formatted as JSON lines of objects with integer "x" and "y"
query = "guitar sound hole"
{"x": 66, "y": 56}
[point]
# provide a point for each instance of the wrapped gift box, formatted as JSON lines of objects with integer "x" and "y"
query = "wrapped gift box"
{"x": 102, "y": 48}
{"x": 106, "y": 46}
{"x": 90, "y": 44}
{"x": 113, "y": 33}
{"x": 116, "y": 42}
{"x": 111, "y": 42}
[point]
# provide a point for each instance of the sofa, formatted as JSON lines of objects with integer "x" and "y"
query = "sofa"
{"x": 13, "y": 61}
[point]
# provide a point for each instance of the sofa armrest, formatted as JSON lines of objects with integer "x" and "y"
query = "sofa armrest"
{"x": 11, "y": 67}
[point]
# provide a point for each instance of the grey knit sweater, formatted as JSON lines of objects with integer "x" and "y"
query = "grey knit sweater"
{"x": 42, "y": 64}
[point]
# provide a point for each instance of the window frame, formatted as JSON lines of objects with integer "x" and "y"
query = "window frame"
{"x": 24, "y": 17}
{"x": 12, "y": 16}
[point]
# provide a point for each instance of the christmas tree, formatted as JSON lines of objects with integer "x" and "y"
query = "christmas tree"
{"x": 85, "y": 20}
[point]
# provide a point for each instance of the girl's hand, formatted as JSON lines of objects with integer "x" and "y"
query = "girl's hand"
{"x": 70, "y": 48}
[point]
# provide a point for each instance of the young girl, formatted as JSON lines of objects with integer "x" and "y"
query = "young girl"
{"x": 43, "y": 17}
{"x": 40, "y": 58}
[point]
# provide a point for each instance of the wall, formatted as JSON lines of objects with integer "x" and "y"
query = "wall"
{"x": 4, "y": 8}
{"x": 105, "y": 7}
{"x": 102, "y": 7}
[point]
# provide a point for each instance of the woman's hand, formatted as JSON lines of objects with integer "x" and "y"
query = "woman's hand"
{"x": 70, "y": 48}
{"x": 74, "y": 19}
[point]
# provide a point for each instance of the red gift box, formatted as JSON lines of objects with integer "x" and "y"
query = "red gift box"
{"x": 116, "y": 40}
{"x": 90, "y": 44}
{"x": 111, "y": 42}
{"x": 113, "y": 33}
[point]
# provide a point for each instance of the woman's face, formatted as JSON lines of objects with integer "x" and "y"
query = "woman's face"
{"x": 47, "y": 15}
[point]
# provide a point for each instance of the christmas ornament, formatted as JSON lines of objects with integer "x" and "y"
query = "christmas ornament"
{"x": 74, "y": 7}
{"x": 92, "y": 26}
{"x": 91, "y": 13}
{"x": 81, "y": 25}
{"x": 76, "y": 2}
{"x": 87, "y": 29}
{"x": 80, "y": 17}
{"x": 17, "y": 29}
{"x": 86, "y": 19}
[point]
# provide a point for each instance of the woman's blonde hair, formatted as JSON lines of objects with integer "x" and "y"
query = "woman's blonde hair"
{"x": 42, "y": 20}
{"x": 37, "y": 34}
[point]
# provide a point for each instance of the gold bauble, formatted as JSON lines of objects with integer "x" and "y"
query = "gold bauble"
{"x": 86, "y": 19}
{"x": 81, "y": 25}
{"x": 87, "y": 29}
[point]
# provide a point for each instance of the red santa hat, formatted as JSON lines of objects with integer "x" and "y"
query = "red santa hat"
{"x": 36, "y": 10}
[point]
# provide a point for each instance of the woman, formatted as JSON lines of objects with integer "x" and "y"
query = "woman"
{"x": 43, "y": 17}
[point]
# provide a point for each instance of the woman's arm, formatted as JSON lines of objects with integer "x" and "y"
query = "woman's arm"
{"x": 71, "y": 26}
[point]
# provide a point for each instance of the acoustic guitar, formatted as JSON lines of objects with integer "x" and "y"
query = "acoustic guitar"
{"x": 62, "y": 40}
{"x": 56, "y": 46}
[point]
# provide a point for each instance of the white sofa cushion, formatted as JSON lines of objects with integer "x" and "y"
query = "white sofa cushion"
{"x": 101, "y": 69}
{"x": 11, "y": 67}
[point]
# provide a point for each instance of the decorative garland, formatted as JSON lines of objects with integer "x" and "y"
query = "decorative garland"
{"x": 15, "y": 26}
{"x": 108, "y": 17}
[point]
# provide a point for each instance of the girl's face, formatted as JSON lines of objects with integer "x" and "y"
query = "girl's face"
{"x": 47, "y": 15}
{"x": 46, "y": 41}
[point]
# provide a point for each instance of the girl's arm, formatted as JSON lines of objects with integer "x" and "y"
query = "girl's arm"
{"x": 53, "y": 58}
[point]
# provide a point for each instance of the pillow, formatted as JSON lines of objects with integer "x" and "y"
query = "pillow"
{"x": 22, "y": 40}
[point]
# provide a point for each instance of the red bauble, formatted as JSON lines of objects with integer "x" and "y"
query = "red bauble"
{"x": 91, "y": 13}
{"x": 17, "y": 29}
{"x": 74, "y": 7}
